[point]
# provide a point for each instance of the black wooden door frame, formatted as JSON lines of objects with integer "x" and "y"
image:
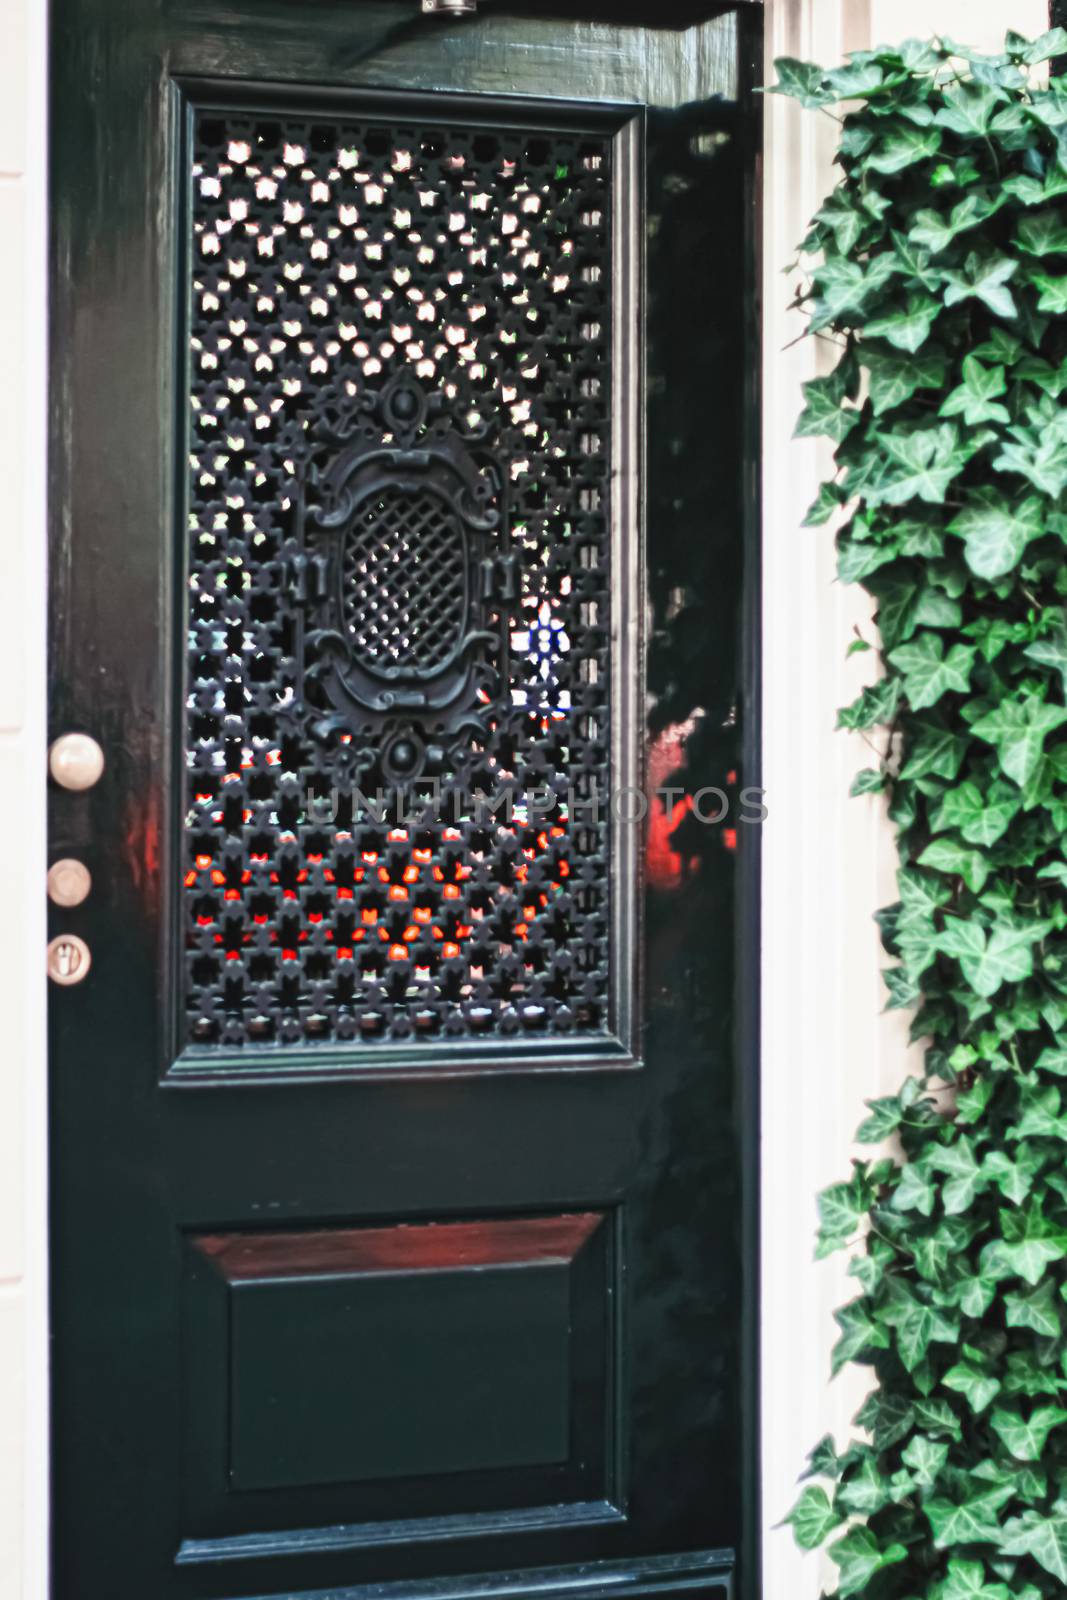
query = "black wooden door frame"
{"x": 748, "y": 899}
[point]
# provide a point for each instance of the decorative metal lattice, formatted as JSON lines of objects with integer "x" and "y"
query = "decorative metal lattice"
{"x": 399, "y": 581}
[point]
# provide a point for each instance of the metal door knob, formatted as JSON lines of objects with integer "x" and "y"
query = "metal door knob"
{"x": 69, "y": 959}
{"x": 69, "y": 882}
{"x": 76, "y": 761}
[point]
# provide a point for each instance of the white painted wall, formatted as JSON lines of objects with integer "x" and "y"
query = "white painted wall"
{"x": 828, "y": 860}
{"x": 23, "y": 1258}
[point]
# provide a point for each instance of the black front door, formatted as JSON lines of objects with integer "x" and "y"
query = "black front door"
{"x": 399, "y": 1129}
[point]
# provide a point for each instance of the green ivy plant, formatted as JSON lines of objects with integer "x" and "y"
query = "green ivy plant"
{"x": 938, "y": 277}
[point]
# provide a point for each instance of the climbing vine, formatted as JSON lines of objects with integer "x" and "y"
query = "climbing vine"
{"x": 938, "y": 279}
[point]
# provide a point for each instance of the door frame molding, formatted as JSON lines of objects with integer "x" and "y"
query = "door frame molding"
{"x": 829, "y": 859}
{"x": 24, "y": 433}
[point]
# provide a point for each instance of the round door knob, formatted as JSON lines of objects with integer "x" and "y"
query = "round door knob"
{"x": 69, "y": 882}
{"x": 76, "y": 761}
{"x": 69, "y": 959}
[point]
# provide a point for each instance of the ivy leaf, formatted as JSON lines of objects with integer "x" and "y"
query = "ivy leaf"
{"x": 933, "y": 1416}
{"x": 929, "y": 673}
{"x": 825, "y": 413}
{"x": 829, "y": 499}
{"x": 897, "y": 603}
{"x": 869, "y": 781}
{"x": 842, "y": 288}
{"x": 1054, "y": 1060}
{"x": 1039, "y": 1108}
{"x": 813, "y": 1518}
{"x": 884, "y": 1120}
{"x": 982, "y": 819}
{"x": 919, "y": 536}
{"x": 859, "y": 1333}
{"x": 845, "y": 220}
{"x": 903, "y": 147}
{"x": 1053, "y": 296}
{"x": 1025, "y": 1437}
{"x": 921, "y": 463}
{"x": 974, "y": 1521}
{"x": 1018, "y": 731}
{"x": 1052, "y": 380}
{"x": 893, "y": 379}
{"x": 1029, "y": 1242}
{"x": 996, "y": 531}
{"x": 890, "y": 1416}
{"x": 1043, "y": 48}
{"x": 877, "y": 704}
{"x": 957, "y": 1162}
{"x": 925, "y": 1458}
{"x": 971, "y": 1103}
{"x": 986, "y": 280}
{"x": 842, "y": 1210}
{"x": 823, "y": 1460}
{"x": 904, "y": 991}
{"x": 862, "y": 76}
{"x": 1014, "y": 1179}
{"x": 1037, "y": 1310}
{"x": 1038, "y": 454}
{"x": 1043, "y": 234}
{"x": 966, "y": 1580}
{"x": 976, "y": 1295}
{"x": 973, "y": 399}
{"x": 917, "y": 1324}
{"x": 865, "y": 1491}
{"x": 977, "y": 1387}
{"x": 936, "y": 231}
{"x": 857, "y": 560}
{"x": 915, "y": 1191}
{"x": 969, "y": 109}
{"x": 936, "y": 751}
{"x": 989, "y": 959}
{"x": 950, "y": 856}
{"x": 801, "y": 80}
{"x": 860, "y": 1556}
{"x": 1044, "y": 1537}
{"x": 1051, "y": 651}
{"x": 907, "y": 328}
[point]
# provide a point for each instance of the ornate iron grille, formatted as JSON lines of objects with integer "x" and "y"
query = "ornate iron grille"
{"x": 398, "y": 582}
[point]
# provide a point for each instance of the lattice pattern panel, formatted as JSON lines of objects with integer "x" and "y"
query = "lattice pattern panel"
{"x": 399, "y": 582}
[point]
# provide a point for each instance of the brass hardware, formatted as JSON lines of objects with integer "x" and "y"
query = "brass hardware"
{"x": 449, "y": 8}
{"x": 69, "y": 882}
{"x": 76, "y": 761}
{"x": 69, "y": 959}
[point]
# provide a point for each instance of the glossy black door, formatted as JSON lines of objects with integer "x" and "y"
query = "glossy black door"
{"x": 400, "y": 1187}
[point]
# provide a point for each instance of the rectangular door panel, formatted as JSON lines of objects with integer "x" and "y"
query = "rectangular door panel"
{"x": 473, "y": 1360}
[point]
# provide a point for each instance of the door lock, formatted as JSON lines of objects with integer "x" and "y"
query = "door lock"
{"x": 69, "y": 959}
{"x": 76, "y": 761}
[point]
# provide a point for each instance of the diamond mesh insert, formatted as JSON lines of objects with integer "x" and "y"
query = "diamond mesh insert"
{"x": 404, "y": 580}
{"x": 329, "y": 254}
